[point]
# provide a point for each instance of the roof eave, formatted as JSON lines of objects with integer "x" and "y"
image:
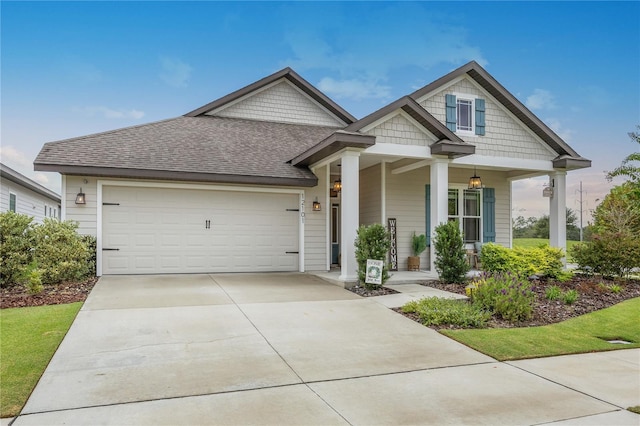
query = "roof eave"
{"x": 13, "y": 176}
{"x": 452, "y": 149}
{"x": 177, "y": 175}
{"x": 498, "y": 91}
{"x": 334, "y": 143}
{"x": 571, "y": 163}
{"x": 292, "y": 77}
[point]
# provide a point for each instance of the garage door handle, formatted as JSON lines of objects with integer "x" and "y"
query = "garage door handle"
{"x": 292, "y": 252}
{"x": 110, "y": 249}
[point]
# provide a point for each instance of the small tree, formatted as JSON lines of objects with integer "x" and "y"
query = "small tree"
{"x": 372, "y": 242}
{"x": 450, "y": 261}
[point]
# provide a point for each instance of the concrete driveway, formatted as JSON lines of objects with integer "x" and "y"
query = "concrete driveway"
{"x": 280, "y": 349}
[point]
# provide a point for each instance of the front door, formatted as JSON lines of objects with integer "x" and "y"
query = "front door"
{"x": 335, "y": 234}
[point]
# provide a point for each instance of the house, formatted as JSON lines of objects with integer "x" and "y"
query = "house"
{"x": 22, "y": 195}
{"x": 278, "y": 177}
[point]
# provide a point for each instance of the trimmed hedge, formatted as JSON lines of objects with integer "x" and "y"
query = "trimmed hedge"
{"x": 543, "y": 260}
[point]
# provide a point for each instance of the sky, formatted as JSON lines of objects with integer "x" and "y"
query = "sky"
{"x": 75, "y": 68}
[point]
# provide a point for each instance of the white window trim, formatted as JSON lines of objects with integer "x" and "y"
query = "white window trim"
{"x": 472, "y": 98}
{"x": 15, "y": 202}
{"x": 461, "y": 215}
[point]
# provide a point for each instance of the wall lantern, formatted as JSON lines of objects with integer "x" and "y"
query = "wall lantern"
{"x": 474, "y": 181}
{"x": 80, "y": 198}
{"x": 337, "y": 185}
{"x": 317, "y": 207}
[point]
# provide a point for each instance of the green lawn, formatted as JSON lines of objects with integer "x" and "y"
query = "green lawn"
{"x": 28, "y": 339}
{"x": 587, "y": 333}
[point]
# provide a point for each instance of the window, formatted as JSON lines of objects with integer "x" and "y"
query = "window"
{"x": 12, "y": 202}
{"x": 464, "y": 115}
{"x": 465, "y": 208}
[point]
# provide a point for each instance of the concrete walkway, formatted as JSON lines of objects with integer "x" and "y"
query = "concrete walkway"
{"x": 294, "y": 349}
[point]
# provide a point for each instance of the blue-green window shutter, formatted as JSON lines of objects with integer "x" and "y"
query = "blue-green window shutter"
{"x": 480, "y": 117}
{"x": 451, "y": 112}
{"x": 488, "y": 215}
{"x": 427, "y": 210}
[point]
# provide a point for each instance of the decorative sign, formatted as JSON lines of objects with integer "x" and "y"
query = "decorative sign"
{"x": 393, "y": 250}
{"x": 547, "y": 192}
{"x": 374, "y": 272}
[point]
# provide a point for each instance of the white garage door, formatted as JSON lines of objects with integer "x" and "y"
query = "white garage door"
{"x": 158, "y": 230}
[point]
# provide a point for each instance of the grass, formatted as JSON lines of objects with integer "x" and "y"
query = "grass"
{"x": 28, "y": 339}
{"x": 587, "y": 333}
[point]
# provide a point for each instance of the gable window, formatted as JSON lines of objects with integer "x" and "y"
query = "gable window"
{"x": 465, "y": 114}
{"x": 464, "y": 207}
{"x": 12, "y": 202}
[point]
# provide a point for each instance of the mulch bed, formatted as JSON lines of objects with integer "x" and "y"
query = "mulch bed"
{"x": 68, "y": 292}
{"x": 593, "y": 295}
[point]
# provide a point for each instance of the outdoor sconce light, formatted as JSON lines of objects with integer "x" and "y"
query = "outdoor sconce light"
{"x": 337, "y": 185}
{"x": 474, "y": 181}
{"x": 316, "y": 205}
{"x": 80, "y": 199}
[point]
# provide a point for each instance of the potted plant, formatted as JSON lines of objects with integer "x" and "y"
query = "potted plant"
{"x": 418, "y": 245}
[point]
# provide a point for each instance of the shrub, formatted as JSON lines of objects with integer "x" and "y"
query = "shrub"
{"x": 16, "y": 241}
{"x": 543, "y": 260}
{"x": 372, "y": 242}
{"x": 553, "y": 293}
{"x": 437, "y": 311}
{"x": 31, "y": 277}
{"x": 612, "y": 254}
{"x": 569, "y": 297}
{"x": 450, "y": 262}
{"x": 507, "y": 295}
{"x": 91, "y": 243}
{"x": 60, "y": 252}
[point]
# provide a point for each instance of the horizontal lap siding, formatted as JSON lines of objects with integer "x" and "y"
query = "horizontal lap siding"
{"x": 405, "y": 201}
{"x": 315, "y": 226}
{"x": 27, "y": 202}
{"x": 86, "y": 215}
{"x": 370, "y": 197}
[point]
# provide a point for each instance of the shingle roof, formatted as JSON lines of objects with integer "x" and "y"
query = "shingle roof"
{"x": 204, "y": 148}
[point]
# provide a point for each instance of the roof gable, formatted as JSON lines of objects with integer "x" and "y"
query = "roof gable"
{"x": 504, "y": 97}
{"x": 321, "y": 101}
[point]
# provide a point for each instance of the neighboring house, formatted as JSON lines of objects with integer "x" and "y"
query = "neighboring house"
{"x": 278, "y": 177}
{"x": 22, "y": 195}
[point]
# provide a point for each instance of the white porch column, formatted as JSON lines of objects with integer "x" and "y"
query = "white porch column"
{"x": 558, "y": 210}
{"x": 439, "y": 199}
{"x": 349, "y": 214}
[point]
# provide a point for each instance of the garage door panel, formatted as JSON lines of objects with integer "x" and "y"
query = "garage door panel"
{"x": 160, "y": 230}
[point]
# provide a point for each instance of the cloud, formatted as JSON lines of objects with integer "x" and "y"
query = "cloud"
{"x": 110, "y": 113}
{"x": 541, "y": 99}
{"x": 175, "y": 72}
{"x": 14, "y": 158}
{"x": 355, "y": 58}
{"x": 41, "y": 178}
{"x": 558, "y": 127}
{"x": 354, "y": 88}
